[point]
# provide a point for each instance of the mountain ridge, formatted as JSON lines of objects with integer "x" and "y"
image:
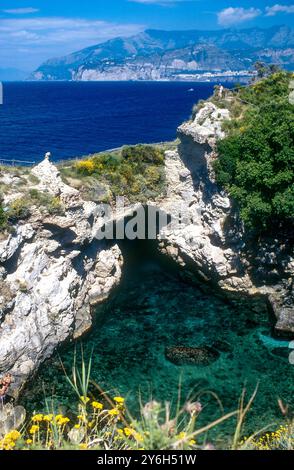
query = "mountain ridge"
{"x": 172, "y": 55}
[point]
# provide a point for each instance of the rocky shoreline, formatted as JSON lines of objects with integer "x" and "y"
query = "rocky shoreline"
{"x": 53, "y": 270}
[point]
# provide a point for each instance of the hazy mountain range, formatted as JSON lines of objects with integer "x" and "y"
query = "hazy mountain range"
{"x": 174, "y": 55}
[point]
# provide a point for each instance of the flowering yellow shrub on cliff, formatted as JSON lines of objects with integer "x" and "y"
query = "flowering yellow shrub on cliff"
{"x": 86, "y": 167}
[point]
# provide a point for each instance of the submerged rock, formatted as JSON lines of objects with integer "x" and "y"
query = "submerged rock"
{"x": 185, "y": 356}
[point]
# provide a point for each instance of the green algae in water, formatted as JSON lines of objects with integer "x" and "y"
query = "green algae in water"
{"x": 153, "y": 309}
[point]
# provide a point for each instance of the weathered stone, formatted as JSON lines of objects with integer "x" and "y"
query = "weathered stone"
{"x": 50, "y": 282}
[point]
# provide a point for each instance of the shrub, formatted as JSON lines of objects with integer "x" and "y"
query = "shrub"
{"x": 280, "y": 439}
{"x": 3, "y": 217}
{"x": 134, "y": 172}
{"x": 143, "y": 154}
{"x": 256, "y": 160}
{"x": 86, "y": 167}
{"x": 19, "y": 209}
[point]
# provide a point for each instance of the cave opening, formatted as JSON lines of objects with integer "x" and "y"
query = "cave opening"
{"x": 141, "y": 335}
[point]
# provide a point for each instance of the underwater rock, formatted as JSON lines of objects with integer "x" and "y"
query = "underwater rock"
{"x": 184, "y": 356}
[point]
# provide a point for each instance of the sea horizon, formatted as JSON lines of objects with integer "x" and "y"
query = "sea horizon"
{"x": 75, "y": 119}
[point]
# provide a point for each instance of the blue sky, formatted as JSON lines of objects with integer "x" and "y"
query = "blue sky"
{"x": 32, "y": 31}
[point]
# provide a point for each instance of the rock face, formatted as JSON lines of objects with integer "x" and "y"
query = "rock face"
{"x": 52, "y": 272}
{"x": 53, "y": 269}
{"x": 211, "y": 239}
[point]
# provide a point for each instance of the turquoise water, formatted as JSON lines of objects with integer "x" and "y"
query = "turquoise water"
{"x": 155, "y": 308}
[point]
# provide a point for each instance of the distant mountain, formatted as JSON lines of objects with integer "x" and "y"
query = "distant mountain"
{"x": 12, "y": 74}
{"x": 174, "y": 55}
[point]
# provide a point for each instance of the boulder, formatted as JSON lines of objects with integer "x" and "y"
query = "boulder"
{"x": 189, "y": 356}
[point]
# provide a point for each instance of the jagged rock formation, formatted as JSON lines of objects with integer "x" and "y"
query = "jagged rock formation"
{"x": 212, "y": 239}
{"x": 53, "y": 268}
{"x": 52, "y": 272}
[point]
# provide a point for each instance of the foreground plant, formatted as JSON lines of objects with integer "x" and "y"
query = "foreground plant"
{"x": 104, "y": 423}
{"x": 100, "y": 427}
{"x": 280, "y": 439}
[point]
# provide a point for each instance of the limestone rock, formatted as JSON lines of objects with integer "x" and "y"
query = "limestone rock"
{"x": 11, "y": 418}
{"x": 52, "y": 272}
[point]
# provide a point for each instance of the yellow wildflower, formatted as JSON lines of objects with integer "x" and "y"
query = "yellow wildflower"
{"x": 13, "y": 435}
{"x": 113, "y": 412}
{"x": 58, "y": 417}
{"x": 48, "y": 418}
{"x": 37, "y": 418}
{"x": 84, "y": 400}
{"x": 128, "y": 432}
{"x": 62, "y": 421}
{"x": 82, "y": 418}
{"x": 182, "y": 435}
{"x": 119, "y": 400}
{"x": 77, "y": 426}
{"x": 35, "y": 428}
{"x": 29, "y": 442}
{"x": 83, "y": 446}
{"x": 97, "y": 406}
{"x": 192, "y": 442}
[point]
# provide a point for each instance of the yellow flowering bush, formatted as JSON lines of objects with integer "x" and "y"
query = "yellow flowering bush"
{"x": 86, "y": 167}
{"x": 9, "y": 441}
{"x": 281, "y": 439}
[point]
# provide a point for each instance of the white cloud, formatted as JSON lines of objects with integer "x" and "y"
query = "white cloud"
{"x": 46, "y": 37}
{"x": 276, "y": 9}
{"x": 231, "y": 16}
{"x": 21, "y": 11}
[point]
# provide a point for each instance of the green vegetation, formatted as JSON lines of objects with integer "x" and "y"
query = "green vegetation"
{"x": 22, "y": 208}
{"x": 256, "y": 160}
{"x": 136, "y": 172}
{"x": 3, "y": 217}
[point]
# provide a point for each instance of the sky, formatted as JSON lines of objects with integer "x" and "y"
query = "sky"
{"x": 32, "y": 31}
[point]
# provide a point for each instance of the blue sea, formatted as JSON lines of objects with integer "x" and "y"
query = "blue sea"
{"x": 72, "y": 119}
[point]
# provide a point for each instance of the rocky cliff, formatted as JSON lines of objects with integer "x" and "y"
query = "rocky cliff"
{"x": 52, "y": 272}
{"x": 53, "y": 268}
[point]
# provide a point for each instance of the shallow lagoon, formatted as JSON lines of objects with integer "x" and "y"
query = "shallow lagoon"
{"x": 155, "y": 308}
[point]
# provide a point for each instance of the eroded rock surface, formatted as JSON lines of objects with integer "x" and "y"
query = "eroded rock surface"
{"x": 212, "y": 240}
{"x": 52, "y": 271}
